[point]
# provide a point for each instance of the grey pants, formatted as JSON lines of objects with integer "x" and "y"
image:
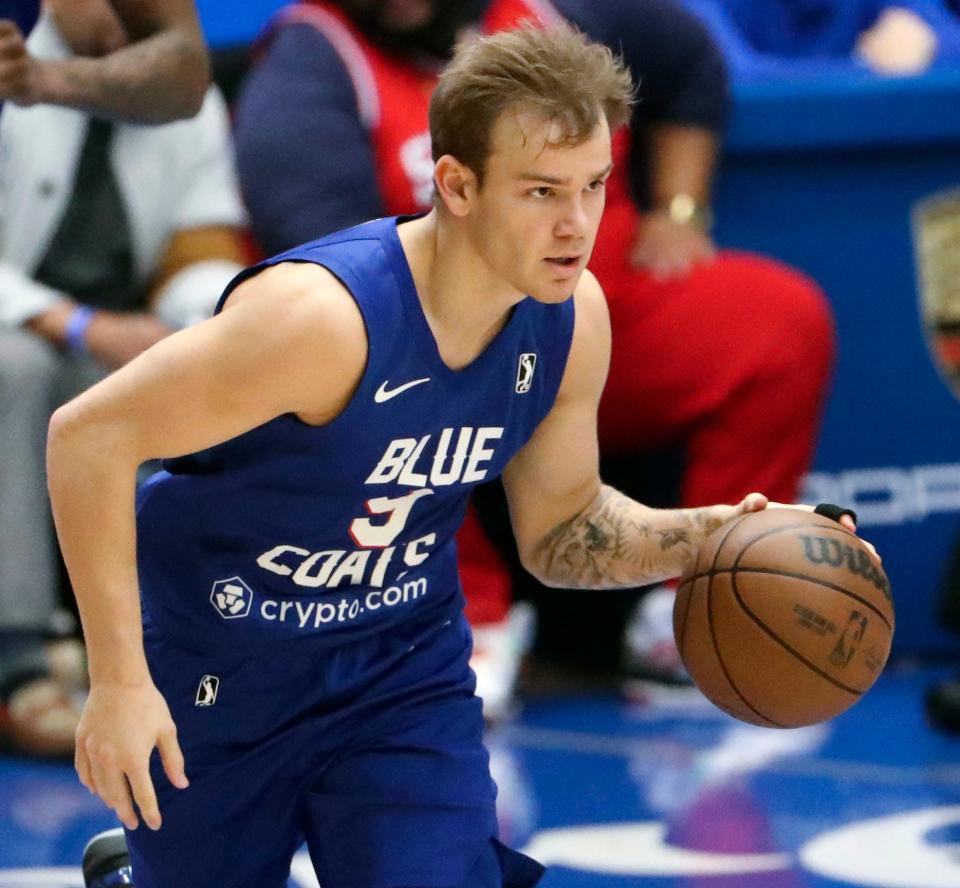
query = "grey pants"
{"x": 35, "y": 378}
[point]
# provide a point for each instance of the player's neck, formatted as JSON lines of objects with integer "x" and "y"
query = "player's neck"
{"x": 465, "y": 304}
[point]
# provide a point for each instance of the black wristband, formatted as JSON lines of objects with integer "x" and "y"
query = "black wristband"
{"x": 835, "y": 513}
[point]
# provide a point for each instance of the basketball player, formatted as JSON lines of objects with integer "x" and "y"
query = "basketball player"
{"x": 740, "y": 402}
{"x": 303, "y": 656}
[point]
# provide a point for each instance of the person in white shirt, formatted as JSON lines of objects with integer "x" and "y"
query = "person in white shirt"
{"x": 112, "y": 235}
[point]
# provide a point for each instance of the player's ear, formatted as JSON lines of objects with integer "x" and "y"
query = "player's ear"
{"x": 455, "y": 183}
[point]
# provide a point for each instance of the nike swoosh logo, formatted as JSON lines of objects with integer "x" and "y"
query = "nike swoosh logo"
{"x": 385, "y": 394}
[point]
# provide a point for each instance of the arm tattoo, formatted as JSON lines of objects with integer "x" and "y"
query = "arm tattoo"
{"x": 157, "y": 79}
{"x": 616, "y": 542}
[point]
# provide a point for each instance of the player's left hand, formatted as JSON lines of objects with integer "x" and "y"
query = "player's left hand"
{"x": 757, "y": 502}
{"x": 18, "y": 69}
{"x": 668, "y": 249}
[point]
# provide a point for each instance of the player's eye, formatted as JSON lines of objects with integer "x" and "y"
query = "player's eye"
{"x": 597, "y": 184}
{"x": 542, "y": 191}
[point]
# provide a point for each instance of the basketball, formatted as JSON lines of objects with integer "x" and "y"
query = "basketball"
{"x": 785, "y": 619}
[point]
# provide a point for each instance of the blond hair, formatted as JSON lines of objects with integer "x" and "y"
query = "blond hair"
{"x": 554, "y": 72}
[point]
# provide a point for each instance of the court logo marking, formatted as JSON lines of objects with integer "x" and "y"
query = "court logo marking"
{"x": 384, "y": 394}
{"x": 207, "y": 691}
{"x": 231, "y": 598}
{"x": 525, "y": 368}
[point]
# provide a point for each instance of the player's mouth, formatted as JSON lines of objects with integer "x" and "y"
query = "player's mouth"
{"x": 568, "y": 264}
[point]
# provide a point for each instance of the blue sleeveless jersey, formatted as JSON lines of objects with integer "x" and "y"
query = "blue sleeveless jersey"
{"x": 332, "y": 533}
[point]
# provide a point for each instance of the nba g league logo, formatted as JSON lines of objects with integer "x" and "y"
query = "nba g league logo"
{"x": 525, "y": 368}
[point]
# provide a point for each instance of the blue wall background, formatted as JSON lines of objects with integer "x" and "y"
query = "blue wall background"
{"x": 232, "y": 22}
{"x": 825, "y": 174}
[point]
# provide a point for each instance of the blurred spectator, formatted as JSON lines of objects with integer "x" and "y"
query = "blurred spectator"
{"x": 943, "y": 698}
{"x": 111, "y": 236}
{"x": 763, "y": 38}
{"x": 159, "y": 74}
{"x": 726, "y": 355}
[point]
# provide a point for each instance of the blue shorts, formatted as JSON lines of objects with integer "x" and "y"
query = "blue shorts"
{"x": 372, "y": 753}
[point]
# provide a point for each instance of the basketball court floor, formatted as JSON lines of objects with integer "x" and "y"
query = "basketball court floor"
{"x": 649, "y": 795}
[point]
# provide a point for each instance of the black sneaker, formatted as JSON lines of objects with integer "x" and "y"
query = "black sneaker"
{"x": 106, "y": 860}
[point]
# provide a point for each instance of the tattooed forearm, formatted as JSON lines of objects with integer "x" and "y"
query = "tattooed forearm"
{"x": 160, "y": 78}
{"x": 674, "y": 536}
{"x": 617, "y": 542}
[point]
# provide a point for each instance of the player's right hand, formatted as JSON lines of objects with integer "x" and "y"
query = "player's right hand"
{"x": 120, "y": 726}
{"x": 17, "y": 66}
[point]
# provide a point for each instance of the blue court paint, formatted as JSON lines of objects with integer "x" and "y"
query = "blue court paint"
{"x": 615, "y": 795}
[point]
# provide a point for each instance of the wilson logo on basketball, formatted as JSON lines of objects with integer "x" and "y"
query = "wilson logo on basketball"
{"x": 827, "y": 550}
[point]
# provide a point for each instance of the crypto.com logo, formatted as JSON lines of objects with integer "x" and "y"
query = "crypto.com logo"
{"x": 231, "y": 598}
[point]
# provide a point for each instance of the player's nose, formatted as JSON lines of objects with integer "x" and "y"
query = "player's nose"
{"x": 575, "y": 221}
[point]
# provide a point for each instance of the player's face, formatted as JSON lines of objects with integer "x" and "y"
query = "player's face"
{"x": 539, "y": 207}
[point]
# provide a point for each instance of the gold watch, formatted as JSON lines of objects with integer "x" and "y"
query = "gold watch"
{"x": 684, "y": 209}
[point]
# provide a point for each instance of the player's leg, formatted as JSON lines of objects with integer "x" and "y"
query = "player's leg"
{"x": 415, "y": 813}
{"x": 236, "y": 824}
{"x": 409, "y": 802}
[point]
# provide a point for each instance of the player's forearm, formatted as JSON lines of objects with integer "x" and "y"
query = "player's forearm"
{"x": 92, "y": 487}
{"x": 159, "y": 79}
{"x": 682, "y": 162}
{"x": 616, "y": 542}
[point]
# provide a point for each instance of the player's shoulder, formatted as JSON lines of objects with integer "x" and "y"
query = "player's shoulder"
{"x": 590, "y": 350}
{"x": 305, "y": 298}
{"x": 592, "y": 315}
{"x": 289, "y": 285}
{"x": 589, "y": 293}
